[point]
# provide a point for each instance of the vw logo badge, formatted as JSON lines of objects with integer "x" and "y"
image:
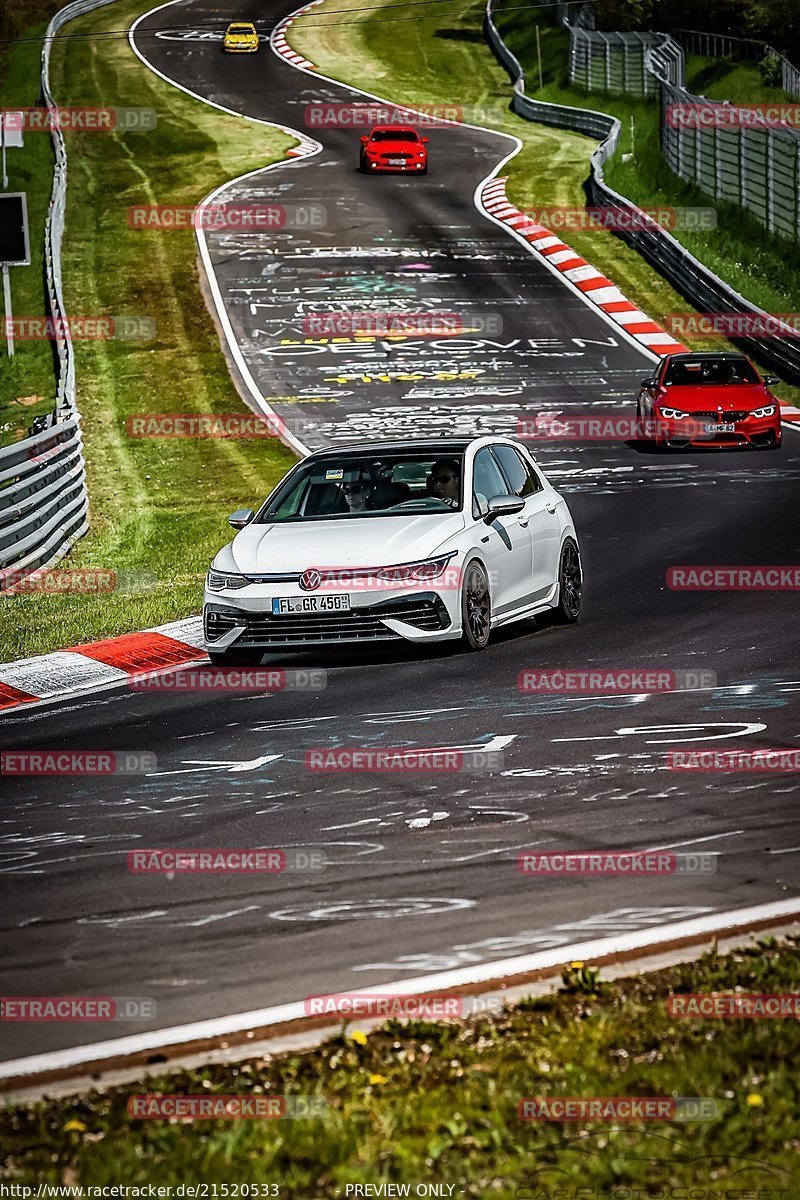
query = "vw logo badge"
{"x": 310, "y": 580}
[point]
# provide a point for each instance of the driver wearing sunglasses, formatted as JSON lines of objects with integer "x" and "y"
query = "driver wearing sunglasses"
{"x": 357, "y": 494}
{"x": 444, "y": 481}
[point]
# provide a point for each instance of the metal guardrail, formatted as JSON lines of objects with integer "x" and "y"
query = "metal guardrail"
{"x": 701, "y": 287}
{"x": 43, "y": 497}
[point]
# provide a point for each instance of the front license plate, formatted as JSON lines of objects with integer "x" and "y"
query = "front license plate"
{"x": 309, "y": 604}
{"x": 720, "y": 428}
{"x": 397, "y": 162}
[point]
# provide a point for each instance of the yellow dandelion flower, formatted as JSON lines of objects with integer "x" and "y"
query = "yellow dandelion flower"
{"x": 358, "y": 1037}
{"x": 754, "y": 1100}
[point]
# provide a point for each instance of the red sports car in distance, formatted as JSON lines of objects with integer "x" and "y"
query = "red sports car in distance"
{"x": 394, "y": 148}
{"x": 713, "y": 399}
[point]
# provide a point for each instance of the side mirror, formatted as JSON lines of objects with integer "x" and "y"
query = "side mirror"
{"x": 425, "y": 139}
{"x": 503, "y": 506}
{"x": 364, "y": 138}
{"x": 649, "y": 383}
{"x": 770, "y": 379}
{"x": 240, "y": 518}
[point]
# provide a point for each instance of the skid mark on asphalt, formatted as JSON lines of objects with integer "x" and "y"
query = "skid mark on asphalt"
{"x": 622, "y": 920}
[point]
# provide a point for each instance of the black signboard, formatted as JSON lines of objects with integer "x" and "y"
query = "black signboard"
{"x": 14, "y": 249}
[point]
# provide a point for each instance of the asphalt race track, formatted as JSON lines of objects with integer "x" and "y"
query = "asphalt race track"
{"x": 422, "y": 871}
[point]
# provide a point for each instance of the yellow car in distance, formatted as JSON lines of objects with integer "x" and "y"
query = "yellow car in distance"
{"x": 240, "y": 38}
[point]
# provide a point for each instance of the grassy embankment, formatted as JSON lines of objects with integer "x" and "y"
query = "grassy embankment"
{"x": 426, "y": 1102}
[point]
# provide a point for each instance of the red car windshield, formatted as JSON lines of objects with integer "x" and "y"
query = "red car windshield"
{"x": 709, "y": 371}
{"x": 394, "y": 135}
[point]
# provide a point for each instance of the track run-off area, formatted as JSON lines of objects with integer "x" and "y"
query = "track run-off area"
{"x": 421, "y": 869}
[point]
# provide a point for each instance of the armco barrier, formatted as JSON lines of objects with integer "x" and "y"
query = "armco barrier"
{"x": 43, "y": 501}
{"x": 43, "y": 497}
{"x": 701, "y": 287}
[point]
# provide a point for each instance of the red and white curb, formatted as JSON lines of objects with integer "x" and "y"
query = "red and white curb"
{"x": 593, "y": 283}
{"x": 98, "y": 665}
{"x": 282, "y": 47}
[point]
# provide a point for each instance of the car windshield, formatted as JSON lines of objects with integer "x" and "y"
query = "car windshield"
{"x": 342, "y": 486}
{"x": 394, "y": 135}
{"x": 711, "y": 371}
{"x": 241, "y": 29}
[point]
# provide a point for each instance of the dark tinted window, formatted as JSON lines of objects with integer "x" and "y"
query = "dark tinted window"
{"x": 709, "y": 371}
{"x": 395, "y": 135}
{"x": 522, "y": 479}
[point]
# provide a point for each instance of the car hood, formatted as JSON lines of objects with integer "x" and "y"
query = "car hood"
{"x": 706, "y": 397}
{"x": 372, "y": 542}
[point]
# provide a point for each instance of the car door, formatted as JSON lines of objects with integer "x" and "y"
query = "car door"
{"x": 505, "y": 541}
{"x": 540, "y": 513}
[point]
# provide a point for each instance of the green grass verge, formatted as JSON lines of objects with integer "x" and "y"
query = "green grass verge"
{"x": 437, "y": 59}
{"x": 27, "y": 381}
{"x": 723, "y": 79}
{"x": 436, "y": 1102}
{"x": 158, "y": 507}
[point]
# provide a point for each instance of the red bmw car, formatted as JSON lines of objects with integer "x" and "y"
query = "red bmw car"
{"x": 712, "y": 399}
{"x": 394, "y": 148}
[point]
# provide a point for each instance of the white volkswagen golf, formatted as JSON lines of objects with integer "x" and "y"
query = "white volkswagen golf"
{"x": 414, "y": 541}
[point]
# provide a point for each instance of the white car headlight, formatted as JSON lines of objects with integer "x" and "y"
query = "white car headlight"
{"x": 426, "y": 569}
{"x": 766, "y": 411}
{"x": 674, "y": 414}
{"x": 221, "y": 581}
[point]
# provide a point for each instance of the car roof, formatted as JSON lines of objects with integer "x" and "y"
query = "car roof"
{"x": 438, "y": 447}
{"x": 709, "y": 356}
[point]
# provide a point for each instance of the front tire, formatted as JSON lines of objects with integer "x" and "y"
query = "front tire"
{"x": 570, "y": 584}
{"x": 476, "y": 607}
{"x": 235, "y": 658}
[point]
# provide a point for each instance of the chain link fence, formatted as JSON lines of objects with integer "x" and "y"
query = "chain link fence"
{"x": 701, "y": 287}
{"x": 749, "y": 157}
